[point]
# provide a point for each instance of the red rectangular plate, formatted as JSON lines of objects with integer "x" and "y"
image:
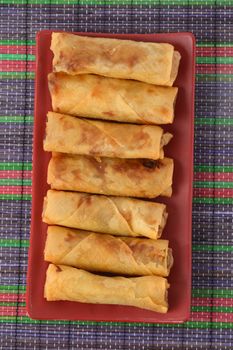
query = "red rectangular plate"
{"x": 178, "y": 229}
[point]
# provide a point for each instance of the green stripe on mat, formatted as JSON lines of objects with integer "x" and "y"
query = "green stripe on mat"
{"x": 214, "y": 77}
{"x": 210, "y": 184}
{"x": 205, "y": 200}
{"x": 198, "y": 120}
{"x": 225, "y": 309}
{"x": 197, "y": 200}
{"x": 16, "y": 119}
{"x": 211, "y": 168}
{"x": 215, "y": 248}
{"x": 12, "y": 289}
{"x": 120, "y": 2}
{"x": 213, "y": 60}
{"x": 199, "y": 60}
{"x": 199, "y": 77}
{"x": 15, "y": 182}
{"x": 16, "y": 57}
{"x": 15, "y": 166}
{"x": 197, "y": 168}
{"x": 213, "y": 121}
{"x": 189, "y": 324}
{"x": 216, "y": 293}
{"x": 33, "y": 43}
{"x": 14, "y": 243}
{"x": 17, "y": 75}
{"x": 15, "y": 197}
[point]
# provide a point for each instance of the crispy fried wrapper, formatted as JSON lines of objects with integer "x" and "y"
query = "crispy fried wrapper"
{"x": 111, "y": 176}
{"x": 106, "y": 253}
{"x": 97, "y": 97}
{"x": 73, "y": 135}
{"x": 114, "y": 215}
{"x": 72, "y": 284}
{"x": 154, "y": 63}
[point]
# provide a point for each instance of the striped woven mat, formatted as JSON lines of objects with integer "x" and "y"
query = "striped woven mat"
{"x": 210, "y": 326}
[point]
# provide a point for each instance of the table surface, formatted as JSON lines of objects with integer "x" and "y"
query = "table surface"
{"x": 211, "y": 323}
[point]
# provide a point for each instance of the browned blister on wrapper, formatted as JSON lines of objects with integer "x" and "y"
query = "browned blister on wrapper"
{"x": 97, "y": 97}
{"x": 106, "y": 253}
{"x": 111, "y": 176}
{"x": 154, "y": 63}
{"x": 114, "y": 215}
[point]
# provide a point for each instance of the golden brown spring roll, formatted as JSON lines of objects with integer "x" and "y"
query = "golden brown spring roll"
{"x": 93, "y": 96}
{"x": 90, "y": 137}
{"x": 71, "y": 284}
{"x": 154, "y": 63}
{"x": 105, "y": 253}
{"x": 113, "y": 215}
{"x": 111, "y": 176}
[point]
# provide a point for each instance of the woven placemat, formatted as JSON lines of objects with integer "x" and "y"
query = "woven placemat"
{"x": 210, "y": 326}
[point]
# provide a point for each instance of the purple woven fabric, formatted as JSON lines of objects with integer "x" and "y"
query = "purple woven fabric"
{"x": 210, "y": 326}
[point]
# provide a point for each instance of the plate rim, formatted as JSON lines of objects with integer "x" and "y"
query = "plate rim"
{"x": 128, "y": 36}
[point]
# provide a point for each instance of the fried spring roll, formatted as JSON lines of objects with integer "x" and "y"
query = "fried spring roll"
{"x": 71, "y": 284}
{"x": 97, "y": 97}
{"x": 89, "y": 137}
{"x": 154, "y": 63}
{"x": 113, "y": 215}
{"x": 105, "y": 253}
{"x": 111, "y": 176}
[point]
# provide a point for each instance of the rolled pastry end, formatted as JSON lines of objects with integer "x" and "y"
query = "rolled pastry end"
{"x": 167, "y": 192}
{"x": 165, "y": 139}
{"x": 170, "y": 260}
{"x": 163, "y": 222}
{"x": 175, "y": 66}
{"x": 45, "y": 203}
{"x": 71, "y": 284}
{"x": 45, "y": 212}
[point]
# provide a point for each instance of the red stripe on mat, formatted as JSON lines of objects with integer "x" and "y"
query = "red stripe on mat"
{"x": 10, "y": 297}
{"x": 205, "y": 176}
{"x": 195, "y": 316}
{"x": 225, "y": 51}
{"x": 210, "y": 192}
{"x": 15, "y": 190}
{"x": 212, "y": 316}
{"x": 14, "y": 49}
{"x": 198, "y": 192}
{"x": 17, "y": 66}
{"x": 215, "y": 51}
{"x": 212, "y": 68}
{"x": 212, "y": 301}
{"x": 13, "y": 297}
{"x": 15, "y": 174}
{"x": 199, "y": 176}
{"x": 11, "y": 310}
